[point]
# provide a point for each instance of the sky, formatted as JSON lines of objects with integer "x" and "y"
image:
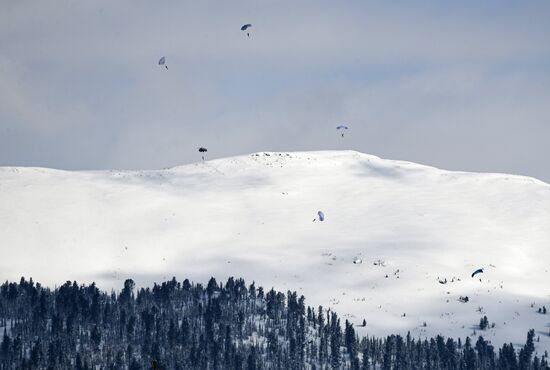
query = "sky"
{"x": 458, "y": 85}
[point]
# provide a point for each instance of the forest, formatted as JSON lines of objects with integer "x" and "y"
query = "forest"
{"x": 231, "y": 325}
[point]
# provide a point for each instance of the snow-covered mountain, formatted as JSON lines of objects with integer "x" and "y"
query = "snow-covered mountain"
{"x": 409, "y": 229}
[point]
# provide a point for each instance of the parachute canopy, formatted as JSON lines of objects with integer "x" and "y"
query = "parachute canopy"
{"x": 246, "y": 26}
{"x": 321, "y": 216}
{"x": 478, "y": 271}
{"x": 202, "y": 149}
{"x": 162, "y": 61}
{"x": 342, "y": 127}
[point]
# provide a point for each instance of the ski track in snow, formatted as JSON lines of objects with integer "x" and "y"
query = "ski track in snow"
{"x": 251, "y": 216}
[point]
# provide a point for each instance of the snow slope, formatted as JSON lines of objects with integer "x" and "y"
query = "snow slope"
{"x": 252, "y": 216}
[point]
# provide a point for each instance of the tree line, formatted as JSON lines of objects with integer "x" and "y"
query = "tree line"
{"x": 231, "y": 325}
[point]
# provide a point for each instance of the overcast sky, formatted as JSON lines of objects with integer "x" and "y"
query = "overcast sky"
{"x": 456, "y": 84}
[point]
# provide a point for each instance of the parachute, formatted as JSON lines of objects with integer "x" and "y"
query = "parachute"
{"x": 342, "y": 128}
{"x": 162, "y": 62}
{"x": 203, "y": 150}
{"x": 245, "y": 28}
{"x": 478, "y": 271}
{"x": 321, "y": 216}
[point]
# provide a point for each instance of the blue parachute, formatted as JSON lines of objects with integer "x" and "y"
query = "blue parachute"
{"x": 245, "y": 28}
{"x": 478, "y": 271}
{"x": 321, "y": 216}
{"x": 162, "y": 62}
{"x": 342, "y": 128}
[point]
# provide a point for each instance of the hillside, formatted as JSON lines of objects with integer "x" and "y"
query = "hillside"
{"x": 180, "y": 325}
{"x": 252, "y": 216}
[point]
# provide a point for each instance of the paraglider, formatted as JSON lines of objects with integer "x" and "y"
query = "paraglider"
{"x": 321, "y": 216}
{"x": 478, "y": 271}
{"x": 342, "y": 128}
{"x": 203, "y": 150}
{"x": 245, "y": 28}
{"x": 162, "y": 62}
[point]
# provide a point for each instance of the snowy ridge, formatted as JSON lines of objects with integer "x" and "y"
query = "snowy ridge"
{"x": 415, "y": 233}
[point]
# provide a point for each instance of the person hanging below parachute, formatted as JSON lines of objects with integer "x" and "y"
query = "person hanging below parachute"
{"x": 245, "y": 29}
{"x": 162, "y": 62}
{"x": 478, "y": 271}
{"x": 342, "y": 129}
{"x": 203, "y": 150}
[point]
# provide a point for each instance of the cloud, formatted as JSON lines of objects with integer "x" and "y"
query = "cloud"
{"x": 29, "y": 107}
{"x": 462, "y": 86}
